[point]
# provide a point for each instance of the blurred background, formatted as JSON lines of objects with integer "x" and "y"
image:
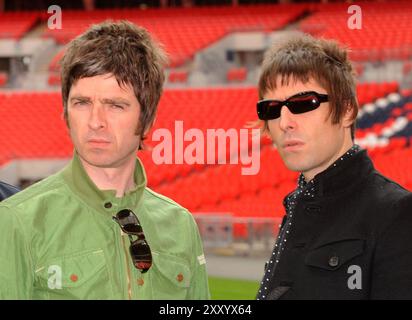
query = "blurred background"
{"x": 215, "y": 48}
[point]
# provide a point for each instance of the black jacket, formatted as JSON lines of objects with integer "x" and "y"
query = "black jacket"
{"x": 7, "y": 190}
{"x": 353, "y": 240}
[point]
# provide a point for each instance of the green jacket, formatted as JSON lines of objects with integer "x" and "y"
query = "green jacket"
{"x": 58, "y": 241}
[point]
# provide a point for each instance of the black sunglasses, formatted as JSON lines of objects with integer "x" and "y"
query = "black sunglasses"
{"x": 298, "y": 103}
{"x": 139, "y": 248}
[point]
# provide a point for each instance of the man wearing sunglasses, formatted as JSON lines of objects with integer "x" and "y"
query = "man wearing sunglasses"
{"x": 346, "y": 233}
{"x": 94, "y": 230}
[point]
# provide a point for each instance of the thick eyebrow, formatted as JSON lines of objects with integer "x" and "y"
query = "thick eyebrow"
{"x": 80, "y": 98}
{"x": 114, "y": 100}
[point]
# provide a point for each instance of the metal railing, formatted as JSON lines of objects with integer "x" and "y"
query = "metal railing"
{"x": 224, "y": 233}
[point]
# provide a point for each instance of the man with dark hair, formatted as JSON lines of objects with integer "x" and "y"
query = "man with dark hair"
{"x": 347, "y": 229}
{"x": 94, "y": 230}
{"x": 7, "y": 190}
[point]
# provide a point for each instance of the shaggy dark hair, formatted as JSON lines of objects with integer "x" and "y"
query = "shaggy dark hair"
{"x": 302, "y": 57}
{"x": 128, "y": 53}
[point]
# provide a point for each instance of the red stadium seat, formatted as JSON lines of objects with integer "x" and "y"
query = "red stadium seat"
{"x": 54, "y": 79}
{"x": 236, "y": 75}
{"x": 3, "y": 78}
{"x": 178, "y": 76}
{"x": 14, "y": 25}
{"x": 184, "y": 31}
{"x": 382, "y": 36}
{"x": 34, "y": 127}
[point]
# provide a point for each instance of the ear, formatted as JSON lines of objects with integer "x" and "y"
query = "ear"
{"x": 347, "y": 119}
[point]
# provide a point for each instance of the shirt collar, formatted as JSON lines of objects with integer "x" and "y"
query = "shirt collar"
{"x": 104, "y": 201}
{"x": 345, "y": 171}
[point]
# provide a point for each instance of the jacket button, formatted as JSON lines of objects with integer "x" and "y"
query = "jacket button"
{"x": 108, "y": 205}
{"x": 180, "y": 277}
{"x": 334, "y": 261}
{"x": 140, "y": 281}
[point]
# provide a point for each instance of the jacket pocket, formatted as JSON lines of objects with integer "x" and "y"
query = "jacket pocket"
{"x": 277, "y": 292}
{"x": 331, "y": 256}
{"x": 79, "y": 276}
{"x": 170, "y": 277}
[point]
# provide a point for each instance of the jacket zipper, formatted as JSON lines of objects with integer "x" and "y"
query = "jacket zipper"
{"x": 128, "y": 274}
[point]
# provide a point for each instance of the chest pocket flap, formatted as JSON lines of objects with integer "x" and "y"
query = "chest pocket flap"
{"x": 173, "y": 269}
{"x": 331, "y": 256}
{"x": 170, "y": 277}
{"x": 78, "y": 276}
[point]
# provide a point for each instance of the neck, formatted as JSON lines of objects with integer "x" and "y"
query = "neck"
{"x": 120, "y": 179}
{"x": 309, "y": 175}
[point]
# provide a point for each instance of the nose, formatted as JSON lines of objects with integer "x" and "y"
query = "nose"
{"x": 287, "y": 120}
{"x": 97, "y": 117}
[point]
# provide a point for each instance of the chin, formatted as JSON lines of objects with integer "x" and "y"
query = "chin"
{"x": 295, "y": 168}
{"x": 101, "y": 163}
{"x": 295, "y": 165}
{"x": 97, "y": 159}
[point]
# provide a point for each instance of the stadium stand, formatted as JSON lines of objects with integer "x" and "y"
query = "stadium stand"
{"x": 32, "y": 121}
{"x": 41, "y": 133}
{"x": 54, "y": 79}
{"x": 15, "y": 25}
{"x": 187, "y": 31}
{"x": 54, "y": 64}
{"x": 178, "y": 76}
{"x": 236, "y": 74}
{"x": 32, "y": 126}
{"x": 382, "y": 35}
{"x": 184, "y": 31}
{"x": 3, "y": 78}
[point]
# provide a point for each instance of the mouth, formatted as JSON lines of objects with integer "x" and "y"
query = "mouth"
{"x": 291, "y": 145}
{"x": 98, "y": 142}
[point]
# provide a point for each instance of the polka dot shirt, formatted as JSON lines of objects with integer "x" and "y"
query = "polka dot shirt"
{"x": 303, "y": 188}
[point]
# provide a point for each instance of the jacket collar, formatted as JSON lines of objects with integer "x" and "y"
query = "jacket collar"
{"x": 104, "y": 201}
{"x": 344, "y": 175}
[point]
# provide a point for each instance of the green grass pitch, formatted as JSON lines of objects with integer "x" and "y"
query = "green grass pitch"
{"x": 232, "y": 289}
